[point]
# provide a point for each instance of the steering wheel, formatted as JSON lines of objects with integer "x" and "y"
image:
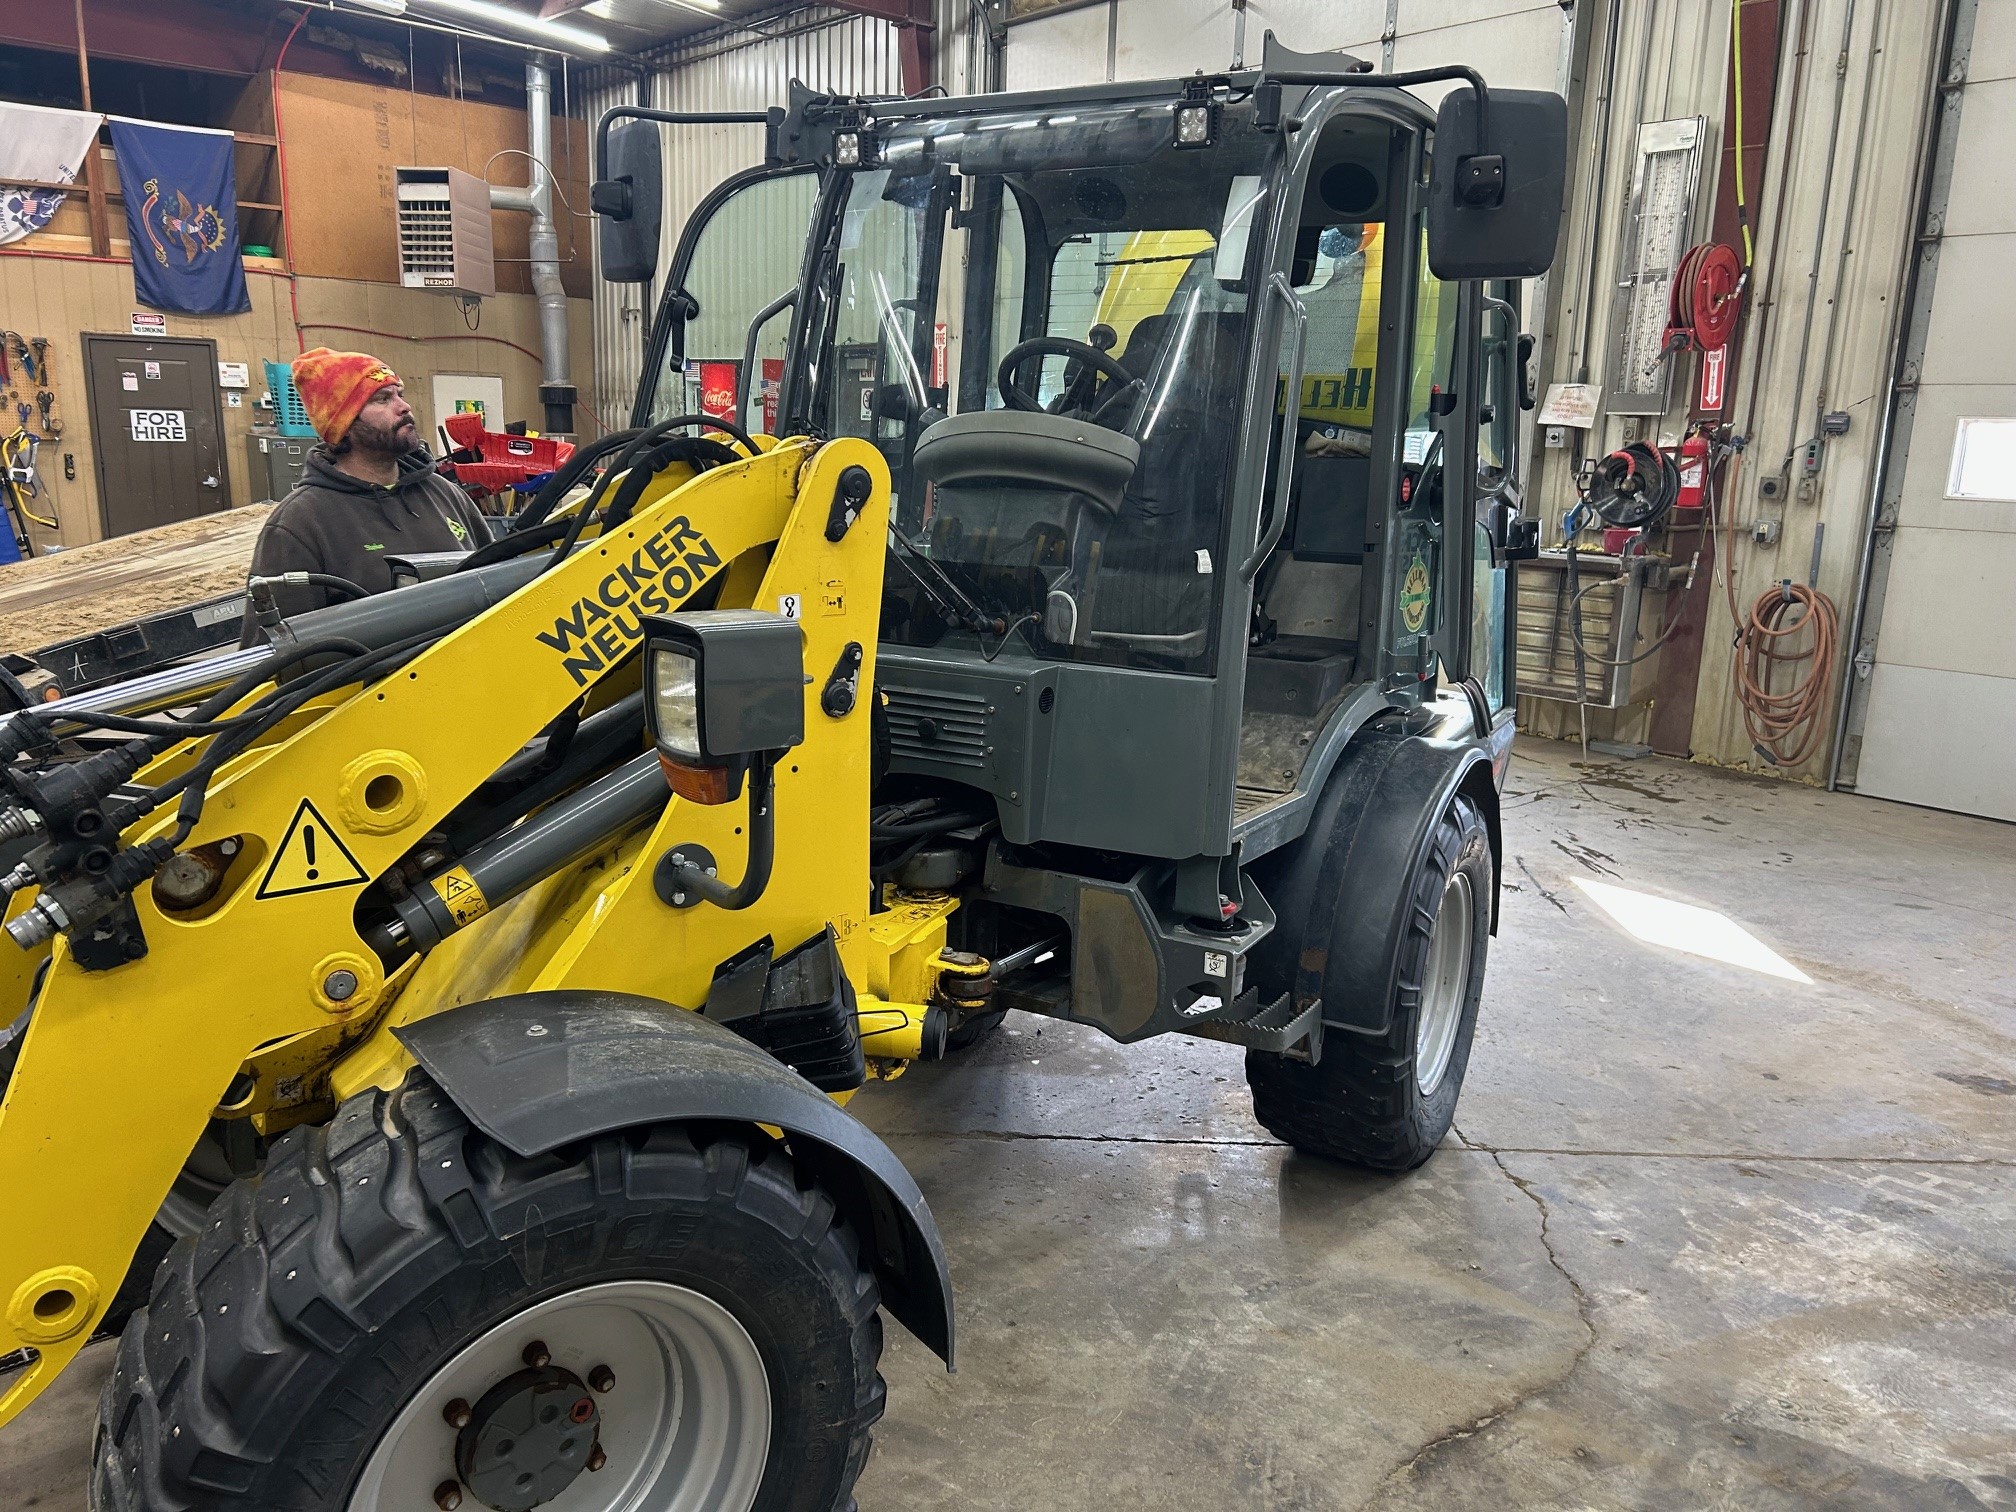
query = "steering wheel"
{"x": 1016, "y": 397}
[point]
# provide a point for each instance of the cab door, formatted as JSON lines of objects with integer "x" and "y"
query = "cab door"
{"x": 733, "y": 275}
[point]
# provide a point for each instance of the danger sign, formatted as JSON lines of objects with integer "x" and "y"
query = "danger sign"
{"x": 158, "y": 425}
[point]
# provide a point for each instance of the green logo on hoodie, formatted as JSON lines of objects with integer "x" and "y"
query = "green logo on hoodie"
{"x": 458, "y": 530}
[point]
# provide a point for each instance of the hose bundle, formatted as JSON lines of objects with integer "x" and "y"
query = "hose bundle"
{"x": 1784, "y": 724}
{"x": 1634, "y": 487}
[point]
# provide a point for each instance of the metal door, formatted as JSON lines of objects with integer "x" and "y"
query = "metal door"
{"x": 1936, "y": 692}
{"x": 157, "y": 431}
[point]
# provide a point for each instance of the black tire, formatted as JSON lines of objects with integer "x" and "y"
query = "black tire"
{"x": 1362, "y": 1102}
{"x": 355, "y": 1265}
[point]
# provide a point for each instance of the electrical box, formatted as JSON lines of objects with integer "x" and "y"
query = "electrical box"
{"x": 444, "y": 232}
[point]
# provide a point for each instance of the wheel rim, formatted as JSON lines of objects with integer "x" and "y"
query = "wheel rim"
{"x": 685, "y": 1427}
{"x": 1446, "y": 984}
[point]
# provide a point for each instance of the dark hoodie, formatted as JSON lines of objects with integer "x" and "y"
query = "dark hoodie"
{"x": 341, "y": 525}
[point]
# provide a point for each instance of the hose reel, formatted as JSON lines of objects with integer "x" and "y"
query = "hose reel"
{"x": 1704, "y": 299}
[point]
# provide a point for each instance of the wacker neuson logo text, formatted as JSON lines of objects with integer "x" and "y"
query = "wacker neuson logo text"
{"x": 603, "y": 626}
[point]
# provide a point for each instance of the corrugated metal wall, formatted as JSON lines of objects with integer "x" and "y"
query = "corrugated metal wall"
{"x": 1827, "y": 269}
{"x": 1519, "y": 41}
{"x": 726, "y": 70}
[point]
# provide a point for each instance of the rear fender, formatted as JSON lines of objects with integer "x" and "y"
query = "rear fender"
{"x": 545, "y": 1069}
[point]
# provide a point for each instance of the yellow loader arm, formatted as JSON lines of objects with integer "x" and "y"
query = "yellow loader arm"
{"x": 240, "y": 1005}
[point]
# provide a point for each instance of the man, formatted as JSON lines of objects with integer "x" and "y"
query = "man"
{"x": 368, "y": 491}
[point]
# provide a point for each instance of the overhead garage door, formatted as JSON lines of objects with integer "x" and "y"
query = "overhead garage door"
{"x": 1941, "y": 700}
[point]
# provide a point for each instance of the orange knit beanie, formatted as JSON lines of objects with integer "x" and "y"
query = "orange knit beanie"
{"x": 335, "y": 386}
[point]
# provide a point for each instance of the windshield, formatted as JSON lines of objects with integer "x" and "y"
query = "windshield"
{"x": 1110, "y": 269}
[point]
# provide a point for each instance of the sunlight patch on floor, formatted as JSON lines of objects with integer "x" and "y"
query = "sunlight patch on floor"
{"x": 1686, "y": 927}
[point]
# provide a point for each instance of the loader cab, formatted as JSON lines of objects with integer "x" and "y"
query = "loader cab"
{"x": 1198, "y": 465}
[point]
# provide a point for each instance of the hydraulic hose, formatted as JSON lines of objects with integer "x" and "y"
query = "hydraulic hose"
{"x": 326, "y": 580}
{"x": 555, "y": 488}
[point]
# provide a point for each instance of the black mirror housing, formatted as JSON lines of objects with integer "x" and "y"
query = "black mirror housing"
{"x": 627, "y": 201}
{"x": 1495, "y": 205}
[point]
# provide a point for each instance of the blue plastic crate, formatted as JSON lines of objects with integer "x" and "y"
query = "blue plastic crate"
{"x": 289, "y": 417}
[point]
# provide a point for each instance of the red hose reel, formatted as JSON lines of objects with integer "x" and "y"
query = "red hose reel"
{"x": 1705, "y": 298}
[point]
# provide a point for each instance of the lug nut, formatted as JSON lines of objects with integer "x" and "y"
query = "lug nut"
{"x": 448, "y": 1496}
{"x": 596, "y": 1458}
{"x": 537, "y": 1355}
{"x": 456, "y": 1414}
{"x": 602, "y": 1378}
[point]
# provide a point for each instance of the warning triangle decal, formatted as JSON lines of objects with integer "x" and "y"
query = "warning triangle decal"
{"x": 310, "y": 858}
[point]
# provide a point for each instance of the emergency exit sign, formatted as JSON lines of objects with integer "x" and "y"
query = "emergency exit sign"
{"x": 159, "y": 425}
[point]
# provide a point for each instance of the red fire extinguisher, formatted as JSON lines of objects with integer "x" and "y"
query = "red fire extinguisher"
{"x": 1694, "y": 453}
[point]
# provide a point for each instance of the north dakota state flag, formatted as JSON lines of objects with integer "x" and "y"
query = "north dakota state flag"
{"x": 180, "y": 187}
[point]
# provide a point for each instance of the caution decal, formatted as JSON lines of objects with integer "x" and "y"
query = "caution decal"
{"x": 460, "y": 895}
{"x": 311, "y": 858}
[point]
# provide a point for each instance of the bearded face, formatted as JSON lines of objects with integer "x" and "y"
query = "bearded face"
{"x": 386, "y": 423}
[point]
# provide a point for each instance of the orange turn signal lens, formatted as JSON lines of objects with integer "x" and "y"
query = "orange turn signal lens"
{"x": 710, "y": 785}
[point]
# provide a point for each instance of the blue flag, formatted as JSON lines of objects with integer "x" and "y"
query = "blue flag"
{"x": 181, "y": 192}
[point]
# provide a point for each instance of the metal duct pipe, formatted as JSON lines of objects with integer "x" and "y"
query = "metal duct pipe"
{"x": 556, "y": 393}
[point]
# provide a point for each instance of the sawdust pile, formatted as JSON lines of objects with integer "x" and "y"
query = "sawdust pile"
{"x": 108, "y": 583}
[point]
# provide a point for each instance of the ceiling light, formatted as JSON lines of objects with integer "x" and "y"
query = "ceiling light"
{"x": 705, "y": 7}
{"x": 558, "y": 32}
{"x": 384, "y": 7}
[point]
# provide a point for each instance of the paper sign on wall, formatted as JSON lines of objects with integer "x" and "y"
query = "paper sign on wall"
{"x": 1570, "y": 404}
{"x": 234, "y": 375}
{"x": 149, "y": 323}
{"x": 159, "y": 425}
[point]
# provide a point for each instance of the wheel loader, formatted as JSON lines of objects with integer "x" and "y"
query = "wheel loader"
{"x": 1061, "y": 560}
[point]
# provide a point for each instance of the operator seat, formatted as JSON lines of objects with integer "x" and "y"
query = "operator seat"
{"x": 1151, "y": 582}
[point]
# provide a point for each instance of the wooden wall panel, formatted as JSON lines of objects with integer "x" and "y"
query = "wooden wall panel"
{"x": 342, "y": 142}
{"x": 64, "y": 298}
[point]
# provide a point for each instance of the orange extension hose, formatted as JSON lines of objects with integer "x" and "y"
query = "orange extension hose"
{"x": 1768, "y": 643}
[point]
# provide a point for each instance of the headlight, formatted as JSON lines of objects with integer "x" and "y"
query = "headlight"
{"x": 725, "y": 688}
{"x": 675, "y": 703}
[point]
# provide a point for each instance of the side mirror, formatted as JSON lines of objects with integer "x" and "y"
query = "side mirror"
{"x": 627, "y": 199}
{"x": 1495, "y": 198}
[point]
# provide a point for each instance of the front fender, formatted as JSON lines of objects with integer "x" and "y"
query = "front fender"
{"x": 545, "y": 1069}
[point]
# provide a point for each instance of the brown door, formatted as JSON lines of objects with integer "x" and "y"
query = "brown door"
{"x": 156, "y": 429}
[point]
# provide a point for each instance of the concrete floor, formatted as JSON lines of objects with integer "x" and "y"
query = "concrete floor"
{"x": 1708, "y": 1238}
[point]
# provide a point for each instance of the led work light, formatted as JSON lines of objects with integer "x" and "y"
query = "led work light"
{"x": 724, "y": 689}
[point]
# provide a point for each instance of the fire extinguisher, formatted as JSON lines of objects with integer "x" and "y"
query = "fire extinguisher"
{"x": 1694, "y": 453}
